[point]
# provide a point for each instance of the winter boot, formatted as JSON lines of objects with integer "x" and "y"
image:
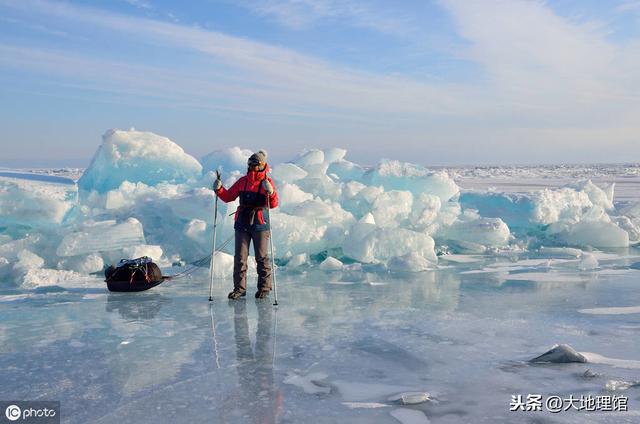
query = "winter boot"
{"x": 261, "y": 294}
{"x": 237, "y": 294}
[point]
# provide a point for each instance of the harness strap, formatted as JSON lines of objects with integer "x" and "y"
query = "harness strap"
{"x": 252, "y": 208}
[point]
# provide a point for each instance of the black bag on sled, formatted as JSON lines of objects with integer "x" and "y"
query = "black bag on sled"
{"x": 132, "y": 275}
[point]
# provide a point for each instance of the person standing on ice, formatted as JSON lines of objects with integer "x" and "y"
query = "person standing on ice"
{"x": 251, "y": 223}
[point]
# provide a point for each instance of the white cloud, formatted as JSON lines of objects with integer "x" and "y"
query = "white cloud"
{"x": 274, "y": 77}
{"x": 544, "y": 64}
{"x": 300, "y": 14}
{"x": 142, "y": 4}
{"x": 34, "y": 27}
{"x": 628, "y": 5}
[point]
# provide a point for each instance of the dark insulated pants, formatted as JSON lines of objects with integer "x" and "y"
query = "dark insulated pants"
{"x": 261, "y": 250}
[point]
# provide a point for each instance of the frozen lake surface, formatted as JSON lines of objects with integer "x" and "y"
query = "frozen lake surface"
{"x": 335, "y": 350}
{"x": 449, "y": 344}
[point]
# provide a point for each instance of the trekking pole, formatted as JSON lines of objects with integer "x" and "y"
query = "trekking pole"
{"x": 213, "y": 252}
{"x": 273, "y": 265}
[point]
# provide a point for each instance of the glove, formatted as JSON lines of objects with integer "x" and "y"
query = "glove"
{"x": 217, "y": 185}
{"x": 266, "y": 185}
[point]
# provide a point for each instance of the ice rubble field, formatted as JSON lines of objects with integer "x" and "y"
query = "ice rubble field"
{"x": 392, "y": 279}
{"x": 143, "y": 195}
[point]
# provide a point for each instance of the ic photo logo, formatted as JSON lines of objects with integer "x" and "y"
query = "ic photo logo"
{"x": 13, "y": 412}
{"x": 30, "y": 412}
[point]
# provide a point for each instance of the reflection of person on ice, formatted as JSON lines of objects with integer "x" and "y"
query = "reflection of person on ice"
{"x": 257, "y": 193}
{"x": 257, "y": 392}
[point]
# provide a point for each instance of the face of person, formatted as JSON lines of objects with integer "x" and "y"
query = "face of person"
{"x": 258, "y": 167}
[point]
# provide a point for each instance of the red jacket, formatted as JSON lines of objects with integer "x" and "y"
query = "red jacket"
{"x": 253, "y": 181}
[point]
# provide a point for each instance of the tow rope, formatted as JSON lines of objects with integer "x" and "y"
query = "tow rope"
{"x": 198, "y": 263}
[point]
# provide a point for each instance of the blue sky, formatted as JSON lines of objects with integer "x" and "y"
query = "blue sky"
{"x": 434, "y": 82}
